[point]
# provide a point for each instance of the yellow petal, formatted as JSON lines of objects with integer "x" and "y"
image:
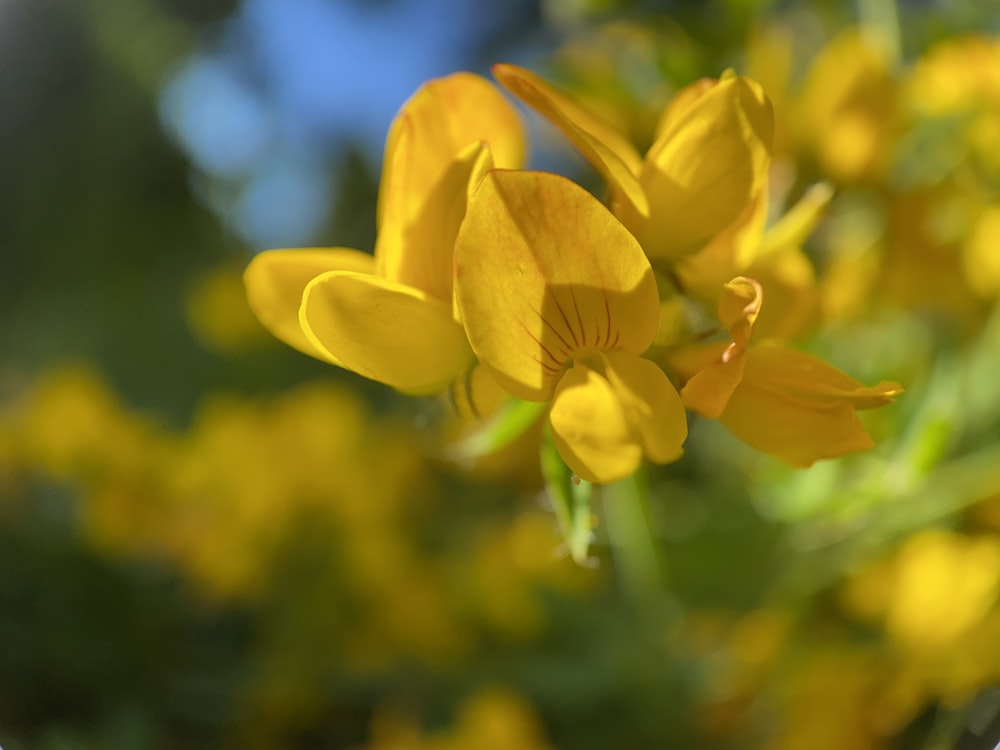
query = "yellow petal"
{"x": 709, "y": 389}
{"x": 680, "y": 101}
{"x": 739, "y": 305}
{"x": 707, "y": 164}
{"x": 419, "y": 251}
{"x": 800, "y": 409}
{"x": 442, "y": 119}
{"x": 805, "y": 378}
{"x": 444, "y": 139}
{"x": 793, "y": 301}
{"x": 652, "y": 405}
{"x": 600, "y": 143}
{"x": 687, "y": 361}
{"x": 385, "y": 331}
{"x": 276, "y": 279}
{"x": 590, "y": 428}
{"x": 798, "y": 435}
{"x": 543, "y": 271}
{"x": 729, "y": 253}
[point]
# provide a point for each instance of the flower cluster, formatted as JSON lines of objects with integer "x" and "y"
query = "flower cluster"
{"x": 255, "y": 491}
{"x": 620, "y": 316}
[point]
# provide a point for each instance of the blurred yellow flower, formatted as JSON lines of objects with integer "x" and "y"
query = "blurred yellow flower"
{"x": 846, "y": 111}
{"x": 956, "y": 76}
{"x": 493, "y": 718}
{"x": 933, "y": 591}
{"x": 218, "y": 314}
{"x": 981, "y": 254}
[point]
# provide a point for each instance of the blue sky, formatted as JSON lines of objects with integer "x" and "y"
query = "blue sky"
{"x": 265, "y": 108}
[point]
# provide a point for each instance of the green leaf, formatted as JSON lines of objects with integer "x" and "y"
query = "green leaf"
{"x": 570, "y": 497}
{"x": 499, "y": 431}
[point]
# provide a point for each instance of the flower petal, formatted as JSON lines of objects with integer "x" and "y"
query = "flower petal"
{"x": 600, "y": 143}
{"x": 739, "y": 306}
{"x": 652, "y": 405}
{"x": 590, "y": 428}
{"x": 797, "y": 434}
{"x": 793, "y": 301}
{"x": 442, "y": 118}
{"x": 439, "y": 146}
{"x": 729, "y": 253}
{"x": 419, "y": 252}
{"x": 800, "y": 409}
{"x": 543, "y": 271}
{"x": 804, "y": 377}
{"x": 276, "y": 279}
{"x": 707, "y": 164}
{"x": 385, "y": 331}
{"x": 709, "y": 389}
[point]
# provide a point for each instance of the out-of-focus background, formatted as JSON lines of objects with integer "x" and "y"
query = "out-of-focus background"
{"x": 209, "y": 540}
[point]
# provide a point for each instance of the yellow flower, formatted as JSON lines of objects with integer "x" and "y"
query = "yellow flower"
{"x": 945, "y": 583}
{"x": 391, "y": 317}
{"x": 559, "y": 302}
{"x": 980, "y": 260}
{"x": 847, "y": 108}
{"x": 772, "y": 256}
{"x": 957, "y": 75}
{"x": 783, "y": 402}
{"x": 218, "y": 314}
{"x": 708, "y": 161}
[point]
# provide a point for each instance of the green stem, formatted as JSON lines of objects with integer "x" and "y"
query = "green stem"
{"x": 626, "y": 515}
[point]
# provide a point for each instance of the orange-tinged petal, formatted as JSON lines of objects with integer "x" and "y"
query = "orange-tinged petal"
{"x": 441, "y": 120}
{"x": 276, "y": 279}
{"x": 805, "y": 378}
{"x": 544, "y": 271}
{"x": 706, "y": 165}
{"x": 797, "y": 434}
{"x": 800, "y": 409}
{"x": 793, "y": 301}
{"x": 385, "y": 331}
{"x": 709, "y": 389}
{"x": 600, "y": 143}
{"x": 688, "y": 360}
{"x": 419, "y": 251}
{"x": 590, "y": 427}
{"x": 739, "y": 306}
{"x": 652, "y": 405}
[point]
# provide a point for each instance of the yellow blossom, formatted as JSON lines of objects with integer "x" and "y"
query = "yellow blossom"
{"x": 846, "y": 110}
{"x": 783, "y": 402}
{"x": 559, "y": 302}
{"x": 218, "y": 314}
{"x": 708, "y": 161}
{"x": 391, "y": 317}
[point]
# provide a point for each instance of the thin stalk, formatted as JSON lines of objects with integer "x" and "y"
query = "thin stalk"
{"x": 626, "y": 516}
